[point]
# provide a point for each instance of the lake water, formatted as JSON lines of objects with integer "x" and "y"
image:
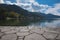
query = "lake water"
{"x": 40, "y": 23}
{"x": 47, "y": 23}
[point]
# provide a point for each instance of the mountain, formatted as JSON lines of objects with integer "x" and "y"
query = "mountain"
{"x": 14, "y": 8}
{"x": 14, "y": 11}
{"x": 48, "y": 16}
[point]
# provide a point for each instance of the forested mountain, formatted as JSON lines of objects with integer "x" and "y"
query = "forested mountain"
{"x": 13, "y": 11}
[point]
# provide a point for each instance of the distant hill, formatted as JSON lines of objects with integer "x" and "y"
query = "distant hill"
{"x": 50, "y": 16}
{"x": 47, "y": 16}
{"x": 13, "y": 11}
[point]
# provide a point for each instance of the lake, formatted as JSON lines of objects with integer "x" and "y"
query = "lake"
{"x": 35, "y": 23}
{"x": 47, "y": 23}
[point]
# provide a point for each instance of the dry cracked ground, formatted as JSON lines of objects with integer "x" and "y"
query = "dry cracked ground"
{"x": 29, "y": 33}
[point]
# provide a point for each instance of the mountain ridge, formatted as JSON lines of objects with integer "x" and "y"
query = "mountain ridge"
{"x": 20, "y": 11}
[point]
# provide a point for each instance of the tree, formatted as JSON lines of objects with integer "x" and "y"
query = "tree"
{"x": 2, "y": 13}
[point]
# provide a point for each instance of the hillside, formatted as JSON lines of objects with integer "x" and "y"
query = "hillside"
{"x": 13, "y": 11}
{"x": 46, "y": 16}
{"x": 16, "y": 12}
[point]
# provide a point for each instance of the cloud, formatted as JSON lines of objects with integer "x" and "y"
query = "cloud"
{"x": 9, "y": 2}
{"x": 1, "y": 1}
{"x": 24, "y": 1}
{"x": 33, "y": 6}
{"x": 54, "y": 10}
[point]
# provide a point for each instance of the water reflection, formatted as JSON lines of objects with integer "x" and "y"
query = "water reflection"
{"x": 37, "y": 23}
{"x": 47, "y": 23}
{"x": 14, "y": 22}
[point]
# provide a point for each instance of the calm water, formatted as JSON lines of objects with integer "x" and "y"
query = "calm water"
{"x": 40, "y": 23}
{"x": 47, "y": 23}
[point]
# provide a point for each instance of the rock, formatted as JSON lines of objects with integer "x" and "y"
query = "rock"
{"x": 37, "y": 30}
{"x": 22, "y": 33}
{"x": 58, "y": 38}
{"x": 53, "y": 30}
{"x": 49, "y": 35}
{"x": 25, "y": 29}
{"x": 20, "y": 39}
{"x": 4, "y": 29}
{"x": 34, "y": 37}
{"x": 1, "y": 34}
{"x": 10, "y": 32}
{"x": 9, "y": 37}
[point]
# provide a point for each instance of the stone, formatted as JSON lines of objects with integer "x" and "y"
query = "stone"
{"x": 49, "y": 35}
{"x": 17, "y": 29}
{"x": 1, "y": 34}
{"x": 51, "y": 39}
{"x": 20, "y": 39}
{"x": 52, "y": 30}
{"x": 58, "y": 37}
{"x": 5, "y": 29}
{"x": 37, "y": 30}
{"x": 10, "y": 32}
{"x": 34, "y": 28}
{"x": 34, "y": 37}
{"x": 9, "y": 37}
{"x": 24, "y": 29}
{"x": 29, "y": 33}
{"x": 22, "y": 33}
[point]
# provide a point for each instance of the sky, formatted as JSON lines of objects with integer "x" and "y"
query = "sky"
{"x": 44, "y": 6}
{"x": 48, "y": 2}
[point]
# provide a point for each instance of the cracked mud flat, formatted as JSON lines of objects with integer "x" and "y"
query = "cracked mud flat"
{"x": 29, "y": 33}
